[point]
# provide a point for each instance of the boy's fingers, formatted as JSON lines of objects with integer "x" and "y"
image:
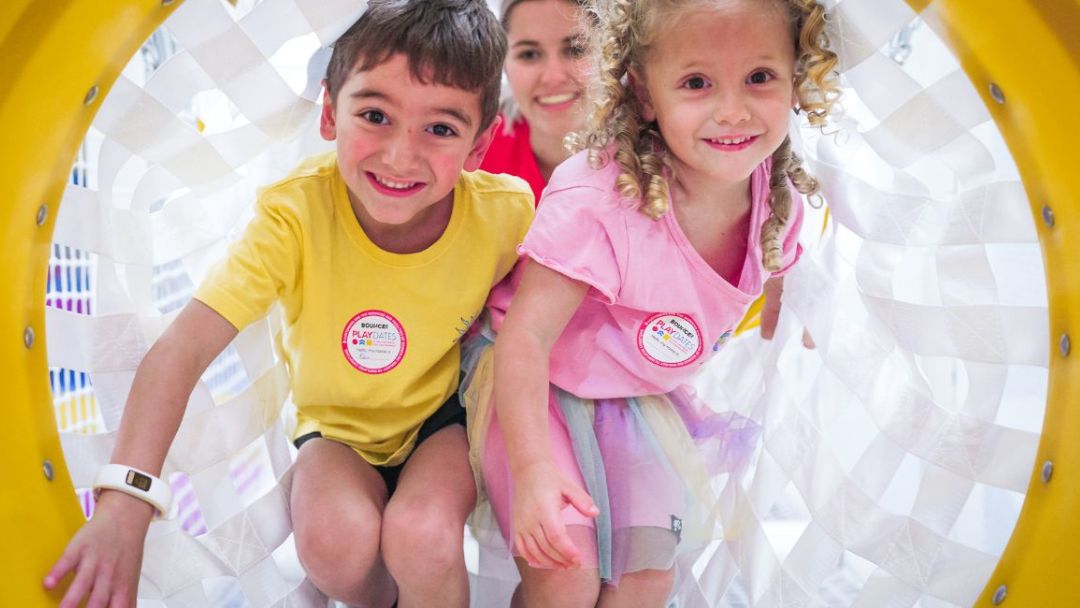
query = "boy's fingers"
{"x": 84, "y": 578}
{"x": 60, "y": 569}
{"x": 99, "y": 595}
{"x": 120, "y": 600}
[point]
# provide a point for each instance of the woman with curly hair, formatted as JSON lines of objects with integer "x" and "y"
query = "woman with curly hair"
{"x": 682, "y": 206}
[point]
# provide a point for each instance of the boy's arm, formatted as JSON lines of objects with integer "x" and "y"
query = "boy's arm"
{"x": 106, "y": 554}
{"x": 541, "y": 309}
{"x": 164, "y": 382}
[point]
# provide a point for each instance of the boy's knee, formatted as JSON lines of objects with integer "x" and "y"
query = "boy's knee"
{"x": 339, "y": 554}
{"x": 420, "y": 533}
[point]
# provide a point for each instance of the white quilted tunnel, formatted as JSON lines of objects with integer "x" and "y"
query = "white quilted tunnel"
{"x": 894, "y": 456}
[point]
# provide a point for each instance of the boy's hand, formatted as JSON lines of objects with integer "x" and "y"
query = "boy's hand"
{"x": 105, "y": 554}
{"x": 541, "y": 492}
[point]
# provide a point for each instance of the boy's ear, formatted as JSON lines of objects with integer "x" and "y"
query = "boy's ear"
{"x": 327, "y": 120}
{"x": 637, "y": 85}
{"x": 481, "y": 144}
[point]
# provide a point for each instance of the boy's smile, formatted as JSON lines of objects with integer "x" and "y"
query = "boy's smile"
{"x": 401, "y": 145}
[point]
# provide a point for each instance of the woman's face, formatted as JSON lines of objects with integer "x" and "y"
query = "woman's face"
{"x": 546, "y": 63}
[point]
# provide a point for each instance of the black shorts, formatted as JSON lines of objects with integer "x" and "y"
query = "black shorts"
{"x": 448, "y": 414}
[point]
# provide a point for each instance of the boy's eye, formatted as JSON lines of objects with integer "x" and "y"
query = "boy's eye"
{"x": 759, "y": 77}
{"x": 695, "y": 83}
{"x": 374, "y": 116}
{"x": 442, "y": 131}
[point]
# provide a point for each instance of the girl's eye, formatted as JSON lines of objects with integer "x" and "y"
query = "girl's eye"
{"x": 759, "y": 77}
{"x": 575, "y": 51}
{"x": 695, "y": 83}
{"x": 442, "y": 131}
{"x": 374, "y": 116}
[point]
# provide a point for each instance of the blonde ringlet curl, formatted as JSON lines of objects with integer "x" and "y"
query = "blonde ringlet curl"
{"x": 621, "y": 34}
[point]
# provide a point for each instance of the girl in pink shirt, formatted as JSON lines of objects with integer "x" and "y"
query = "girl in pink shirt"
{"x": 683, "y": 206}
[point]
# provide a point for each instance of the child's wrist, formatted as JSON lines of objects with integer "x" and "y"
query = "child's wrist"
{"x": 129, "y": 506}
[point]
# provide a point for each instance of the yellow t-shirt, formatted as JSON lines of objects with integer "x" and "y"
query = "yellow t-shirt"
{"x": 370, "y": 337}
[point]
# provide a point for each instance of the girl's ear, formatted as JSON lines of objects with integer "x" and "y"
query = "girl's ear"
{"x": 637, "y": 85}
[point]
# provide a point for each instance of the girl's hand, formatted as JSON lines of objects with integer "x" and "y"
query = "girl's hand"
{"x": 105, "y": 554}
{"x": 541, "y": 492}
{"x": 770, "y": 313}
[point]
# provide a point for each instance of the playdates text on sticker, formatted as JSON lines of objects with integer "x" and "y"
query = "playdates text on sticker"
{"x": 670, "y": 340}
{"x": 373, "y": 342}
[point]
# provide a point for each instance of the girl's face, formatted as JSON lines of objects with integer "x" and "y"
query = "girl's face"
{"x": 720, "y": 84}
{"x": 545, "y": 65}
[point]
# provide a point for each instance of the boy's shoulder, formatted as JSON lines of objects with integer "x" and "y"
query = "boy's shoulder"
{"x": 499, "y": 192}
{"x": 311, "y": 169}
{"x": 309, "y": 185}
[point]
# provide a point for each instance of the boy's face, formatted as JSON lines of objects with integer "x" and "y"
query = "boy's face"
{"x": 402, "y": 144}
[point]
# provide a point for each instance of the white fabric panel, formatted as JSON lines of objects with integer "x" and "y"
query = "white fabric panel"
{"x": 894, "y": 456}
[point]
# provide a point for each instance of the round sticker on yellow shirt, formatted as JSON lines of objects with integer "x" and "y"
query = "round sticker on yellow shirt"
{"x": 373, "y": 341}
{"x": 669, "y": 340}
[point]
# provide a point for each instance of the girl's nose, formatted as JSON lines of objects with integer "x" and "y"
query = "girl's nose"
{"x": 731, "y": 108}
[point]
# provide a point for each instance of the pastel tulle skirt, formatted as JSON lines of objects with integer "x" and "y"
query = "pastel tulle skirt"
{"x": 654, "y": 466}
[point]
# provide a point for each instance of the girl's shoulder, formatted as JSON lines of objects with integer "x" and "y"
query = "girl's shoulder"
{"x": 576, "y": 180}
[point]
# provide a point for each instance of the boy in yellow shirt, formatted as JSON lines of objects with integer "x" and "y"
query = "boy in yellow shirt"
{"x": 380, "y": 254}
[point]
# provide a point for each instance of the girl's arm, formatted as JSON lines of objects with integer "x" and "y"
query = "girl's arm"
{"x": 106, "y": 553}
{"x": 543, "y": 305}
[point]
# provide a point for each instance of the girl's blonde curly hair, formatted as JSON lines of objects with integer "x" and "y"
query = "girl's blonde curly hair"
{"x": 623, "y": 32}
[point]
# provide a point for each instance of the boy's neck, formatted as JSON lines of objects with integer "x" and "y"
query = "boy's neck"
{"x": 414, "y": 236}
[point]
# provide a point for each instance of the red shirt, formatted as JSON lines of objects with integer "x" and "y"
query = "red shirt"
{"x": 512, "y": 153}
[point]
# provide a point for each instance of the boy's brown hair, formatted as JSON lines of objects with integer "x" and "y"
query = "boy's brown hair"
{"x": 455, "y": 43}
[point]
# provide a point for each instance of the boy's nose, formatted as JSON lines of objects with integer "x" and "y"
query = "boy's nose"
{"x": 399, "y": 153}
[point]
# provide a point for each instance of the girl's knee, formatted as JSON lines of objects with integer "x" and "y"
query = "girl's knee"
{"x": 560, "y": 588}
{"x": 641, "y": 588}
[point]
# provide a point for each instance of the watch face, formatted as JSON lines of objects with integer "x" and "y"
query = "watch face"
{"x": 136, "y": 479}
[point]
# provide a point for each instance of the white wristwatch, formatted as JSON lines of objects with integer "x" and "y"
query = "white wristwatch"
{"x": 134, "y": 482}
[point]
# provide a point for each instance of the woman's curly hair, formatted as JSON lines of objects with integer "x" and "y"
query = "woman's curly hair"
{"x": 623, "y": 32}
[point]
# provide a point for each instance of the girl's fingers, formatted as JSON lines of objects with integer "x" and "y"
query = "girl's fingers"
{"x": 580, "y": 499}
{"x": 559, "y": 540}
{"x": 539, "y": 558}
{"x": 523, "y": 549}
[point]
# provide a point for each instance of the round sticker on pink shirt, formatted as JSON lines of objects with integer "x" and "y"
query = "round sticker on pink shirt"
{"x": 670, "y": 340}
{"x": 373, "y": 342}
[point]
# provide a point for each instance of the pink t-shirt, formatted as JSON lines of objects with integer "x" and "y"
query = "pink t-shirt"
{"x": 656, "y": 311}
